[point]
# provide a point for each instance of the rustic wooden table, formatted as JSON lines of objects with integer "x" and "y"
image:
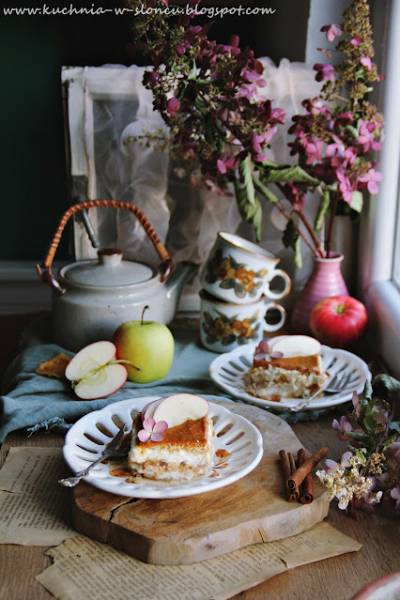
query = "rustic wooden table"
{"x": 334, "y": 579}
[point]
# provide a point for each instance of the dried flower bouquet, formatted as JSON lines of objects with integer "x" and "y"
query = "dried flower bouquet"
{"x": 212, "y": 98}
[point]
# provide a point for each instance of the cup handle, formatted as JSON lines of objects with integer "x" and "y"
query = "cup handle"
{"x": 267, "y": 326}
{"x": 285, "y": 291}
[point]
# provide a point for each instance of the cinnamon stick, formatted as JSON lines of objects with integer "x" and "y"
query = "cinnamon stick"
{"x": 305, "y": 469}
{"x": 288, "y": 467}
{"x": 307, "y": 487}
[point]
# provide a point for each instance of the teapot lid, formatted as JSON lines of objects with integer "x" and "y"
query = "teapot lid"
{"x": 110, "y": 270}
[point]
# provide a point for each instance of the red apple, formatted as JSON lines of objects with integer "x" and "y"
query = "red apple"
{"x": 339, "y": 320}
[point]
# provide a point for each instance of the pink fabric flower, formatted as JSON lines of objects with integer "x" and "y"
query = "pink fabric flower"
{"x": 366, "y": 62}
{"x": 342, "y": 426}
{"x": 331, "y": 31}
{"x": 173, "y": 105}
{"x": 225, "y": 164}
{"x": 152, "y": 431}
{"x": 325, "y": 72}
{"x": 263, "y": 352}
{"x": 371, "y": 179}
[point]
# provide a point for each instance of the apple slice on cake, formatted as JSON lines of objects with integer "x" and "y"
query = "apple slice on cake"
{"x": 288, "y": 366}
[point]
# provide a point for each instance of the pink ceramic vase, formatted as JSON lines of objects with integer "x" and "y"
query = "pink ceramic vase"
{"x": 326, "y": 280}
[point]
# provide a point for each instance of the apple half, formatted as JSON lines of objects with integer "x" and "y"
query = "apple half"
{"x": 178, "y": 408}
{"x": 94, "y": 371}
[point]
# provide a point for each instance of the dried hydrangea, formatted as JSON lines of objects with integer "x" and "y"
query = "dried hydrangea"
{"x": 221, "y": 123}
{"x": 369, "y": 470}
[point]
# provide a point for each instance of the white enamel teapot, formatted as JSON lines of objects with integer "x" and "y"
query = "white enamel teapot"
{"x": 91, "y": 298}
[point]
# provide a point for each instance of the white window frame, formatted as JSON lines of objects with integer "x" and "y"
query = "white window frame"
{"x": 379, "y": 225}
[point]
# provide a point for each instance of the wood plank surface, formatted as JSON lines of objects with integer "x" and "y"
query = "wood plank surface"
{"x": 334, "y": 579}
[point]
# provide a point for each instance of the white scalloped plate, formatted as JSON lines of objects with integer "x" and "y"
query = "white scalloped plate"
{"x": 227, "y": 371}
{"x": 233, "y": 433}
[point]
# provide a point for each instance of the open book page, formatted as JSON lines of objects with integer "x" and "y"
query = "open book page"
{"x": 32, "y": 504}
{"x": 85, "y": 568}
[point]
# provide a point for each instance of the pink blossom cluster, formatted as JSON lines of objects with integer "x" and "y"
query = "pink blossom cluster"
{"x": 334, "y": 146}
{"x": 216, "y": 112}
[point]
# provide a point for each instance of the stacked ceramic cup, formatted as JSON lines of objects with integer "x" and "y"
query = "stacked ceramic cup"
{"x": 237, "y": 299}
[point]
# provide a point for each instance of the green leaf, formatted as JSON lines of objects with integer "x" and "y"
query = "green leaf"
{"x": 228, "y": 340}
{"x": 387, "y": 387}
{"x": 240, "y": 290}
{"x": 357, "y": 201}
{"x": 246, "y": 177}
{"x": 193, "y": 72}
{"x": 292, "y": 240}
{"x": 227, "y": 284}
{"x": 248, "y": 204}
{"x": 293, "y": 174}
{"x": 322, "y": 210}
{"x": 265, "y": 191}
{"x": 352, "y": 130}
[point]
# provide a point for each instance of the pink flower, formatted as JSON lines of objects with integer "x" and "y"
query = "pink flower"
{"x": 225, "y": 164}
{"x": 345, "y": 187}
{"x": 356, "y": 41}
{"x": 332, "y": 465}
{"x": 248, "y": 91}
{"x": 173, "y": 105}
{"x": 371, "y": 179}
{"x": 181, "y": 49}
{"x": 253, "y": 77}
{"x": 278, "y": 115}
{"x": 332, "y": 31}
{"x": 165, "y": 2}
{"x": 343, "y": 425}
{"x": 366, "y": 62}
{"x": 366, "y": 136}
{"x": 258, "y": 140}
{"x": 152, "y": 431}
{"x": 325, "y": 72}
{"x": 339, "y": 154}
{"x": 313, "y": 150}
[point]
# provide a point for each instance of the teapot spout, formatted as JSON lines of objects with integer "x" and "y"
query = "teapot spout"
{"x": 174, "y": 286}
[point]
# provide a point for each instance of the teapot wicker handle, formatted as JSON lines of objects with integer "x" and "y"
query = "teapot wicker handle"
{"x": 45, "y": 270}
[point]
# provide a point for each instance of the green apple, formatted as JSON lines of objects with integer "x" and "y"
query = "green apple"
{"x": 148, "y": 345}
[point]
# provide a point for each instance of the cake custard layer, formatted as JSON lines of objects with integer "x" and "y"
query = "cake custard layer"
{"x": 185, "y": 452}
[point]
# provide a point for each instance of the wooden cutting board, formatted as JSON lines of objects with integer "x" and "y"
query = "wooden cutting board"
{"x": 186, "y": 530}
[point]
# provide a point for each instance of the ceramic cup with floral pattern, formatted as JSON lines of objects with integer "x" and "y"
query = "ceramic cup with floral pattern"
{"x": 239, "y": 271}
{"x": 224, "y": 325}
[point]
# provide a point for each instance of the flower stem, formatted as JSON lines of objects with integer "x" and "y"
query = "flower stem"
{"x": 331, "y": 224}
{"x": 317, "y": 243}
{"x": 288, "y": 216}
